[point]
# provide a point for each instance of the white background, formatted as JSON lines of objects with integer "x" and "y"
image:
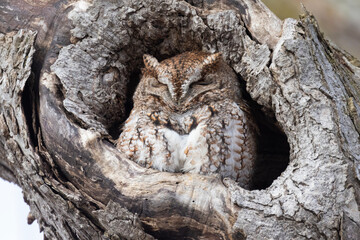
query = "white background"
{"x": 13, "y": 215}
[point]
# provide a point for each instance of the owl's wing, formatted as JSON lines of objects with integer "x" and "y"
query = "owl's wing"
{"x": 231, "y": 141}
{"x": 240, "y": 144}
{"x": 223, "y": 142}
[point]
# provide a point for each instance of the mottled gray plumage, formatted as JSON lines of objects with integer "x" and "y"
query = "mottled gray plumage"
{"x": 189, "y": 116}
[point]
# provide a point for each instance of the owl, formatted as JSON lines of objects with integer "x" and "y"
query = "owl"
{"x": 189, "y": 116}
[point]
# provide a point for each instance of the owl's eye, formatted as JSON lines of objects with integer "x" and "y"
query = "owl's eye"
{"x": 203, "y": 82}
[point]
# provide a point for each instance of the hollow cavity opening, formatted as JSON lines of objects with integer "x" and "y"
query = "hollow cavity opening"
{"x": 273, "y": 149}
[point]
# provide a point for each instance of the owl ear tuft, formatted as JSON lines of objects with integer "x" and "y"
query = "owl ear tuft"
{"x": 212, "y": 59}
{"x": 150, "y": 62}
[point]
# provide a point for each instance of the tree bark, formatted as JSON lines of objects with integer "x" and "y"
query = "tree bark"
{"x": 66, "y": 84}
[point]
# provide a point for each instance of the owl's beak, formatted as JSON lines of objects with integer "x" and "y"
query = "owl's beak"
{"x": 177, "y": 100}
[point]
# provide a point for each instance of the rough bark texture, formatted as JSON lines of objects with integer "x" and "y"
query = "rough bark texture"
{"x": 58, "y": 124}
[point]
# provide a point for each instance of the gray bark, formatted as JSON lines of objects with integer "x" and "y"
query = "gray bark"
{"x": 61, "y": 107}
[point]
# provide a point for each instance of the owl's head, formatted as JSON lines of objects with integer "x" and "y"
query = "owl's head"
{"x": 180, "y": 79}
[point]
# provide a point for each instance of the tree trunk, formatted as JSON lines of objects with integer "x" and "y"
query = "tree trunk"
{"x": 66, "y": 85}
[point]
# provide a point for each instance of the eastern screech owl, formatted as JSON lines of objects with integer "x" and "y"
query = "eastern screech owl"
{"x": 189, "y": 116}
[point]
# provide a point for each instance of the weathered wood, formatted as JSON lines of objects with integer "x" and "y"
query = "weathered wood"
{"x": 57, "y": 126}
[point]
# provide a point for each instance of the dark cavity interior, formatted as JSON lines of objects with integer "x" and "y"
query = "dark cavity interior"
{"x": 273, "y": 149}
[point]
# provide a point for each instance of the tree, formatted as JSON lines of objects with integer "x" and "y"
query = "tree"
{"x": 66, "y": 88}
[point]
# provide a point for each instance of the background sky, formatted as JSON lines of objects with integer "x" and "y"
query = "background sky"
{"x": 339, "y": 20}
{"x": 13, "y": 215}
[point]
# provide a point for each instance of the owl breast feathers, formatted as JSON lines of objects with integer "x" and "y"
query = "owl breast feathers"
{"x": 189, "y": 116}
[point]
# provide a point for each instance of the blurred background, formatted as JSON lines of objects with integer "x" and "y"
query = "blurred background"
{"x": 339, "y": 20}
{"x": 13, "y": 215}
